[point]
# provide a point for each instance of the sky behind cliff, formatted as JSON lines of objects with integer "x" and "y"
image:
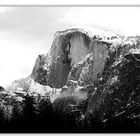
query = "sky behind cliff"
{"x": 26, "y": 32}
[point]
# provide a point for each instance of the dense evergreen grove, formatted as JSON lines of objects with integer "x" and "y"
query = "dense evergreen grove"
{"x": 65, "y": 115}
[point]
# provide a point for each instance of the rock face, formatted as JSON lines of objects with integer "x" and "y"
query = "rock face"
{"x": 86, "y": 71}
{"x": 69, "y": 47}
{"x": 116, "y": 95}
{"x": 40, "y": 71}
{"x": 74, "y": 55}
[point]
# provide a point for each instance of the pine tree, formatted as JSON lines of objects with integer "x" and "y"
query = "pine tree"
{"x": 46, "y": 115}
{"x": 2, "y": 119}
{"x": 17, "y": 117}
{"x": 29, "y": 114}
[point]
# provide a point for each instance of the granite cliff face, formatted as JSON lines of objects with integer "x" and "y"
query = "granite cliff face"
{"x": 86, "y": 72}
{"x": 74, "y": 55}
{"x": 68, "y": 48}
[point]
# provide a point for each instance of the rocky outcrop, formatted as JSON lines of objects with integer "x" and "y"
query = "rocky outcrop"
{"x": 61, "y": 58}
{"x": 75, "y": 57}
{"x": 68, "y": 48}
{"x": 72, "y": 50}
{"x": 41, "y": 69}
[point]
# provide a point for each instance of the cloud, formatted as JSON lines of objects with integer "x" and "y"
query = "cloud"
{"x": 33, "y": 24}
{"x": 122, "y": 20}
{"x": 32, "y": 20}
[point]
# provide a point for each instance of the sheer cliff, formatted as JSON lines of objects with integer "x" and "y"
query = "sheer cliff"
{"x": 74, "y": 55}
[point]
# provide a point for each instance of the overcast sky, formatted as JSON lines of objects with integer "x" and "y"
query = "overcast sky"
{"x": 26, "y": 32}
